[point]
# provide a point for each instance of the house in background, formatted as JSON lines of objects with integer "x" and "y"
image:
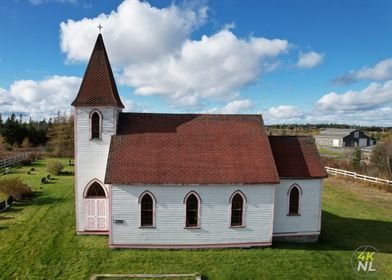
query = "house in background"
{"x": 340, "y": 138}
{"x": 187, "y": 180}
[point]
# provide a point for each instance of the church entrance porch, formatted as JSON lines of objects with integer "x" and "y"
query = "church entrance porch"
{"x": 96, "y": 208}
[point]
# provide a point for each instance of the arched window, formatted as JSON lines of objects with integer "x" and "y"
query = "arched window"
{"x": 95, "y": 126}
{"x": 147, "y": 210}
{"x": 95, "y": 190}
{"x": 294, "y": 193}
{"x": 237, "y": 210}
{"x": 192, "y": 210}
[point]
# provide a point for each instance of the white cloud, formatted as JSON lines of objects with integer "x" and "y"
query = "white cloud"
{"x": 135, "y": 32}
{"x": 215, "y": 67}
{"x": 132, "y": 106}
{"x": 369, "y": 106}
{"x": 162, "y": 59}
{"x": 233, "y": 107}
{"x": 283, "y": 114}
{"x": 378, "y": 117}
{"x": 310, "y": 59}
{"x": 373, "y": 96}
{"x": 379, "y": 72}
{"x": 40, "y": 99}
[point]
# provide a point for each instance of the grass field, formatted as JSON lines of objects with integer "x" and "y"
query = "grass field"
{"x": 331, "y": 153}
{"x": 38, "y": 241}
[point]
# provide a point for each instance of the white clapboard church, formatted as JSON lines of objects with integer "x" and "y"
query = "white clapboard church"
{"x": 187, "y": 180}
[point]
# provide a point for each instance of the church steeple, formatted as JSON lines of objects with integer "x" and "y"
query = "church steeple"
{"x": 98, "y": 87}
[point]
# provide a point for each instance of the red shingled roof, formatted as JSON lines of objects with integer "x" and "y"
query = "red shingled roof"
{"x": 98, "y": 87}
{"x": 190, "y": 149}
{"x": 297, "y": 157}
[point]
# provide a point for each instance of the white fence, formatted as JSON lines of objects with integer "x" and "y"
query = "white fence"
{"x": 6, "y": 203}
{"x": 13, "y": 160}
{"x": 335, "y": 171}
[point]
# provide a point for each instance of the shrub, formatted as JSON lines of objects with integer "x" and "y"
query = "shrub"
{"x": 55, "y": 167}
{"x": 26, "y": 161}
{"x": 15, "y": 187}
{"x": 35, "y": 155}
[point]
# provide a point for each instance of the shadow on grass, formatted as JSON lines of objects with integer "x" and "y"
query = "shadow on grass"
{"x": 6, "y": 218}
{"x": 339, "y": 233}
{"x": 48, "y": 183}
{"x": 39, "y": 198}
{"x": 1, "y": 228}
{"x": 13, "y": 209}
{"x": 67, "y": 173}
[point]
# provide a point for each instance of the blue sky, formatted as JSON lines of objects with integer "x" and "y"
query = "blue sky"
{"x": 292, "y": 61}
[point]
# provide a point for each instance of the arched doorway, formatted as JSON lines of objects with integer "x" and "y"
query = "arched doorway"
{"x": 95, "y": 208}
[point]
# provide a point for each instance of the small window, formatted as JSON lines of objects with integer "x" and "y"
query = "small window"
{"x": 147, "y": 211}
{"x": 237, "y": 210}
{"x": 95, "y": 126}
{"x": 294, "y": 201}
{"x": 192, "y": 211}
{"x": 95, "y": 190}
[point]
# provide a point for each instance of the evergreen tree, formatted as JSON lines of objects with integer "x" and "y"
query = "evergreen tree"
{"x": 356, "y": 159}
{"x": 61, "y": 136}
{"x": 26, "y": 143}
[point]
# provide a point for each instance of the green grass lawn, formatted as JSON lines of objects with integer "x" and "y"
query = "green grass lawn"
{"x": 326, "y": 152}
{"x": 38, "y": 240}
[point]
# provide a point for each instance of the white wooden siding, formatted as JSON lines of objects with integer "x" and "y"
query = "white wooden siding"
{"x": 91, "y": 156}
{"x": 309, "y": 207}
{"x": 170, "y": 215}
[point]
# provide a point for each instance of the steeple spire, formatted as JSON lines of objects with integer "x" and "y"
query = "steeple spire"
{"x": 98, "y": 87}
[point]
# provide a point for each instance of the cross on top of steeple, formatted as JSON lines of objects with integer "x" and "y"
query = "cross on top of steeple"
{"x": 99, "y": 27}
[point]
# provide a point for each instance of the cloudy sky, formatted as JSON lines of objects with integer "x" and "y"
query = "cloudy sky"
{"x": 292, "y": 61}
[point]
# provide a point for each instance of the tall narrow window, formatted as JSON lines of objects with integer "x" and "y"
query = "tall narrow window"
{"x": 237, "y": 210}
{"x": 192, "y": 211}
{"x": 294, "y": 201}
{"x": 147, "y": 211}
{"x": 95, "y": 126}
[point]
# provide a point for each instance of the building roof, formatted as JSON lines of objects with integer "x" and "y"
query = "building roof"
{"x": 98, "y": 87}
{"x": 297, "y": 157}
{"x": 190, "y": 149}
{"x": 336, "y": 132}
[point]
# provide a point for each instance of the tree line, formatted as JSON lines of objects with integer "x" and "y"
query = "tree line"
{"x": 55, "y": 135}
{"x": 16, "y": 133}
{"x": 310, "y": 126}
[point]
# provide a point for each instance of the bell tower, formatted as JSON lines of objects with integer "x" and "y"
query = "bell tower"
{"x": 96, "y": 110}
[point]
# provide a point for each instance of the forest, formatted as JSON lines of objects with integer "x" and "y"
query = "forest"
{"x": 54, "y": 136}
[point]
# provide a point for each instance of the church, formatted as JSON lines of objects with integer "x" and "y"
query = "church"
{"x": 187, "y": 180}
